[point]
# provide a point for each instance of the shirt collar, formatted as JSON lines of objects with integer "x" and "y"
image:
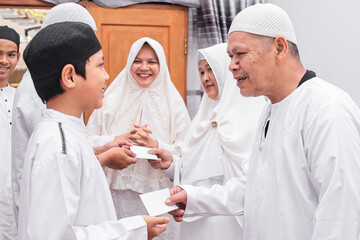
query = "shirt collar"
{"x": 74, "y": 122}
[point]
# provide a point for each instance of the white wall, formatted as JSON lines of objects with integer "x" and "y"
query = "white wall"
{"x": 328, "y": 34}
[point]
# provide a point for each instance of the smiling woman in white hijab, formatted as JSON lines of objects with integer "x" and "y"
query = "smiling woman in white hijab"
{"x": 160, "y": 106}
{"x": 219, "y": 140}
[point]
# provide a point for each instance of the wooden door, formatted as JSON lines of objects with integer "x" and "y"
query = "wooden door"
{"x": 119, "y": 28}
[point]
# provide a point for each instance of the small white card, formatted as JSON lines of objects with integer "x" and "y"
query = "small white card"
{"x": 155, "y": 202}
{"x": 142, "y": 153}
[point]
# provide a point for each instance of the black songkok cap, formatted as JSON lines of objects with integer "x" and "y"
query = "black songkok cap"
{"x": 57, "y": 45}
{"x": 10, "y": 34}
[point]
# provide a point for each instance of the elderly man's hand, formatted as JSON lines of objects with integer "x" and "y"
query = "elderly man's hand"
{"x": 117, "y": 158}
{"x": 165, "y": 158}
{"x": 177, "y": 197}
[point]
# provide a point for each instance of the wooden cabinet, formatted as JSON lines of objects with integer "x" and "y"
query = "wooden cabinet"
{"x": 119, "y": 28}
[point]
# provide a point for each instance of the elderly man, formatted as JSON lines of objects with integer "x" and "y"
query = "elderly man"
{"x": 303, "y": 178}
{"x": 9, "y": 58}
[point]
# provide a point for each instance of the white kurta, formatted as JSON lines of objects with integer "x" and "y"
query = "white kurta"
{"x": 26, "y": 115}
{"x": 220, "y": 137}
{"x": 127, "y": 103}
{"x": 303, "y": 180}
{"x": 64, "y": 193}
{"x": 7, "y": 220}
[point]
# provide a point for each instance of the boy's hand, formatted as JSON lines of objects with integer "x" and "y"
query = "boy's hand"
{"x": 112, "y": 144}
{"x": 117, "y": 158}
{"x": 155, "y": 225}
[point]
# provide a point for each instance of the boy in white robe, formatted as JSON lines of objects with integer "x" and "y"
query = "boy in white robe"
{"x": 64, "y": 193}
{"x": 303, "y": 178}
{"x": 28, "y": 105}
{"x": 9, "y": 58}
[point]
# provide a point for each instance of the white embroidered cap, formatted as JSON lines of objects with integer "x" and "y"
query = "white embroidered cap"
{"x": 69, "y": 12}
{"x": 266, "y": 20}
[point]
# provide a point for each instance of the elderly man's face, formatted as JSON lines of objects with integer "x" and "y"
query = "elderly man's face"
{"x": 252, "y": 65}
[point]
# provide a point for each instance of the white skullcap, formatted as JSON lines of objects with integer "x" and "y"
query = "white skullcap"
{"x": 266, "y": 20}
{"x": 69, "y": 12}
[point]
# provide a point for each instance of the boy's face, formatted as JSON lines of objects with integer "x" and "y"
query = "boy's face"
{"x": 93, "y": 87}
{"x": 9, "y": 58}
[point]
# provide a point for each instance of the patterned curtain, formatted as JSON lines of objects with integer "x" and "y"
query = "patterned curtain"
{"x": 208, "y": 25}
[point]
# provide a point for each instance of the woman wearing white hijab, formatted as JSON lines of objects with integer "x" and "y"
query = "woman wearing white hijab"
{"x": 218, "y": 141}
{"x": 130, "y": 101}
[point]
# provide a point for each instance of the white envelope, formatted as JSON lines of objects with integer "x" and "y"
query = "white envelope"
{"x": 155, "y": 202}
{"x": 142, "y": 153}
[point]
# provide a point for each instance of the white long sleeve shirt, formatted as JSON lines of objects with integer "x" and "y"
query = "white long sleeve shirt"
{"x": 7, "y": 220}
{"x": 303, "y": 179}
{"x": 64, "y": 193}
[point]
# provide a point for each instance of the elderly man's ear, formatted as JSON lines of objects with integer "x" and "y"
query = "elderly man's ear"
{"x": 282, "y": 48}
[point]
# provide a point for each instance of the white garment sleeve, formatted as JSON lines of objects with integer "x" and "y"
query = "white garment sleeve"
{"x": 96, "y": 140}
{"x": 55, "y": 200}
{"x": 225, "y": 200}
{"x": 26, "y": 115}
{"x": 94, "y": 128}
{"x": 163, "y": 145}
{"x": 179, "y": 125}
{"x": 333, "y": 150}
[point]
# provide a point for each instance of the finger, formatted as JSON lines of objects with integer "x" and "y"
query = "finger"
{"x": 162, "y": 220}
{"x": 145, "y": 129}
{"x": 140, "y": 143}
{"x": 178, "y": 219}
{"x": 134, "y": 130}
{"x": 135, "y": 137}
{"x": 126, "y": 142}
{"x": 154, "y": 164}
{"x": 144, "y": 135}
{"x": 130, "y": 153}
{"x": 132, "y": 160}
{"x": 137, "y": 126}
{"x": 175, "y": 189}
{"x": 137, "y": 140}
{"x": 179, "y": 197}
{"x": 159, "y": 229}
{"x": 155, "y": 151}
{"x": 177, "y": 214}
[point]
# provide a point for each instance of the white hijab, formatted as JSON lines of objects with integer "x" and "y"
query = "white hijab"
{"x": 159, "y": 105}
{"x": 221, "y": 134}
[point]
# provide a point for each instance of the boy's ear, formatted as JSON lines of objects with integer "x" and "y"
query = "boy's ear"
{"x": 68, "y": 75}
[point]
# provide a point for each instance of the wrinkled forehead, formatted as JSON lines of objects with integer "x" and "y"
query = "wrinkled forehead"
{"x": 239, "y": 40}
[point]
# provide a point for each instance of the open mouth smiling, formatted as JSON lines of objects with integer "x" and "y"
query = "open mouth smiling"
{"x": 144, "y": 75}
